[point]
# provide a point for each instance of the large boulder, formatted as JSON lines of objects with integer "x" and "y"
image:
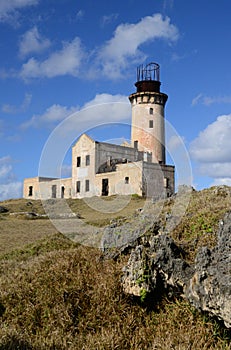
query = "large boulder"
{"x": 157, "y": 266}
{"x": 209, "y": 289}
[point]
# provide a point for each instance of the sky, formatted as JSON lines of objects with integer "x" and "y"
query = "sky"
{"x": 61, "y": 58}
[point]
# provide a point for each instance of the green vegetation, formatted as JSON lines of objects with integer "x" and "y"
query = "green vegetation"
{"x": 55, "y": 294}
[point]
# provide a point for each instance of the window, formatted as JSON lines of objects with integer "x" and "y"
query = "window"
{"x": 77, "y": 186}
{"x": 30, "y": 191}
{"x": 78, "y": 162}
{"x": 87, "y": 185}
{"x": 126, "y": 180}
{"x": 87, "y": 160}
{"x": 150, "y": 123}
{"x": 151, "y": 111}
{"x": 53, "y": 191}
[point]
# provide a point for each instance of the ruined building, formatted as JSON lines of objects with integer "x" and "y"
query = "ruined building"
{"x": 104, "y": 169}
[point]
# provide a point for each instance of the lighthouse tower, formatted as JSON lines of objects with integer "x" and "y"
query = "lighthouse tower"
{"x": 148, "y": 130}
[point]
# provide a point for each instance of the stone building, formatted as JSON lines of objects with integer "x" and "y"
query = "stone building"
{"x": 104, "y": 169}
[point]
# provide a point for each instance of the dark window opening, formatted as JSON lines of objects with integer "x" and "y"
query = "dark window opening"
{"x": 78, "y": 186}
{"x": 30, "y": 191}
{"x": 78, "y": 161}
{"x": 126, "y": 180}
{"x": 151, "y": 111}
{"x": 53, "y": 191}
{"x": 105, "y": 187}
{"x": 87, "y": 160}
{"x": 136, "y": 144}
{"x": 62, "y": 191}
{"x": 87, "y": 185}
{"x": 150, "y": 123}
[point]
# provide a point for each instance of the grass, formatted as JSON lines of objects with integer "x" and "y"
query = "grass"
{"x": 55, "y": 294}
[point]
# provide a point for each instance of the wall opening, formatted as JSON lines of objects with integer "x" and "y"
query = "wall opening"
{"x": 62, "y": 191}
{"x": 151, "y": 111}
{"x": 87, "y": 186}
{"x": 105, "y": 187}
{"x": 77, "y": 186}
{"x": 150, "y": 123}
{"x": 30, "y": 191}
{"x": 87, "y": 160}
{"x": 53, "y": 191}
{"x": 126, "y": 180}
{"x": 78, "y": 164}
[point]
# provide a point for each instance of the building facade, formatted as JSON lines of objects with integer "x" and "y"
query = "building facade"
{"x": 104, "y": 169}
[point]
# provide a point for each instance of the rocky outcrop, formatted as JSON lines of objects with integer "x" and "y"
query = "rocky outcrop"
{"x": 156, "y": 266}
{"x": 209, "y": 289}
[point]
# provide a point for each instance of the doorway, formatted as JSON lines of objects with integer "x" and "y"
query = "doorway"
{"x": 62, "y": 191}
{"x": 53, "y": 191}
{"x": 105, "y": 187}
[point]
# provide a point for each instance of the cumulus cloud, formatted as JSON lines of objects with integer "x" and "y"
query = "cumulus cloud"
{"x": 212, "y": 149}
{"x": 50, "y": 117}
{"x": 9, "y": 187}
{"x": 8, "y": 8}
{"x": 103, "y": 108}
{"x": 124, "y": 46}
{"x": 110, "y": 60}
{"x": 214, "y": 143}
{"x": 64, "y": 62}
{"x": 32, "y": 42}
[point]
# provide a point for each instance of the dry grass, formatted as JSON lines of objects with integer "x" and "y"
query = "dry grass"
{"x": 58, "y": 295}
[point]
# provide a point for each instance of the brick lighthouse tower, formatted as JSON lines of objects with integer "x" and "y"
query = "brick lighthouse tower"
{"x": 148, "y": 129}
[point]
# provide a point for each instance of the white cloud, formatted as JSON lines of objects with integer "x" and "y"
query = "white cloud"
{"x": 10, "y": 190}
{"x": 222, "y": 181}
{"x": 214, "y": 143}
{"x": 208, "y": 100}
{"x": 6, "y": 108}
{"x": 32, "y": 41}
{"x": 9, "y": 187}
{"x": 50, "y": 117}
{"x": 124, "y": 46}
{"x": 8, "y": 8}
{"x": 212, "y": 150}
{"x": 63, "y": 62}
{"x": 103, "y": 108}
{"x": 110, "y": 60}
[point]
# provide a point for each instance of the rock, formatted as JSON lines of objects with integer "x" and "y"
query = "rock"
{"x": 210, "y": 287}
{"x": 157, "y": 266}
{"x": 3, "y": 209}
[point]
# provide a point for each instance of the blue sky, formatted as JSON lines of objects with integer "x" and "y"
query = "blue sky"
{"x": 60, "y": 57}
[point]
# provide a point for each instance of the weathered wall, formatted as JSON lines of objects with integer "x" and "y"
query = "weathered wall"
{"x": 105, "y": 151}
{"x": 125, "y": 181}
{"x": 84, "y": 147}
{"x": 158, "y": 180}
{"x": 41, "y": 188}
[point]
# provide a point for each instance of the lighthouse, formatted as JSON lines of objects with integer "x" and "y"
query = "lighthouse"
{"x": 148, "y": 103}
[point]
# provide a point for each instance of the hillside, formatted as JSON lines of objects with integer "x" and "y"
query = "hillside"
{"x": 58, "y": 294}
